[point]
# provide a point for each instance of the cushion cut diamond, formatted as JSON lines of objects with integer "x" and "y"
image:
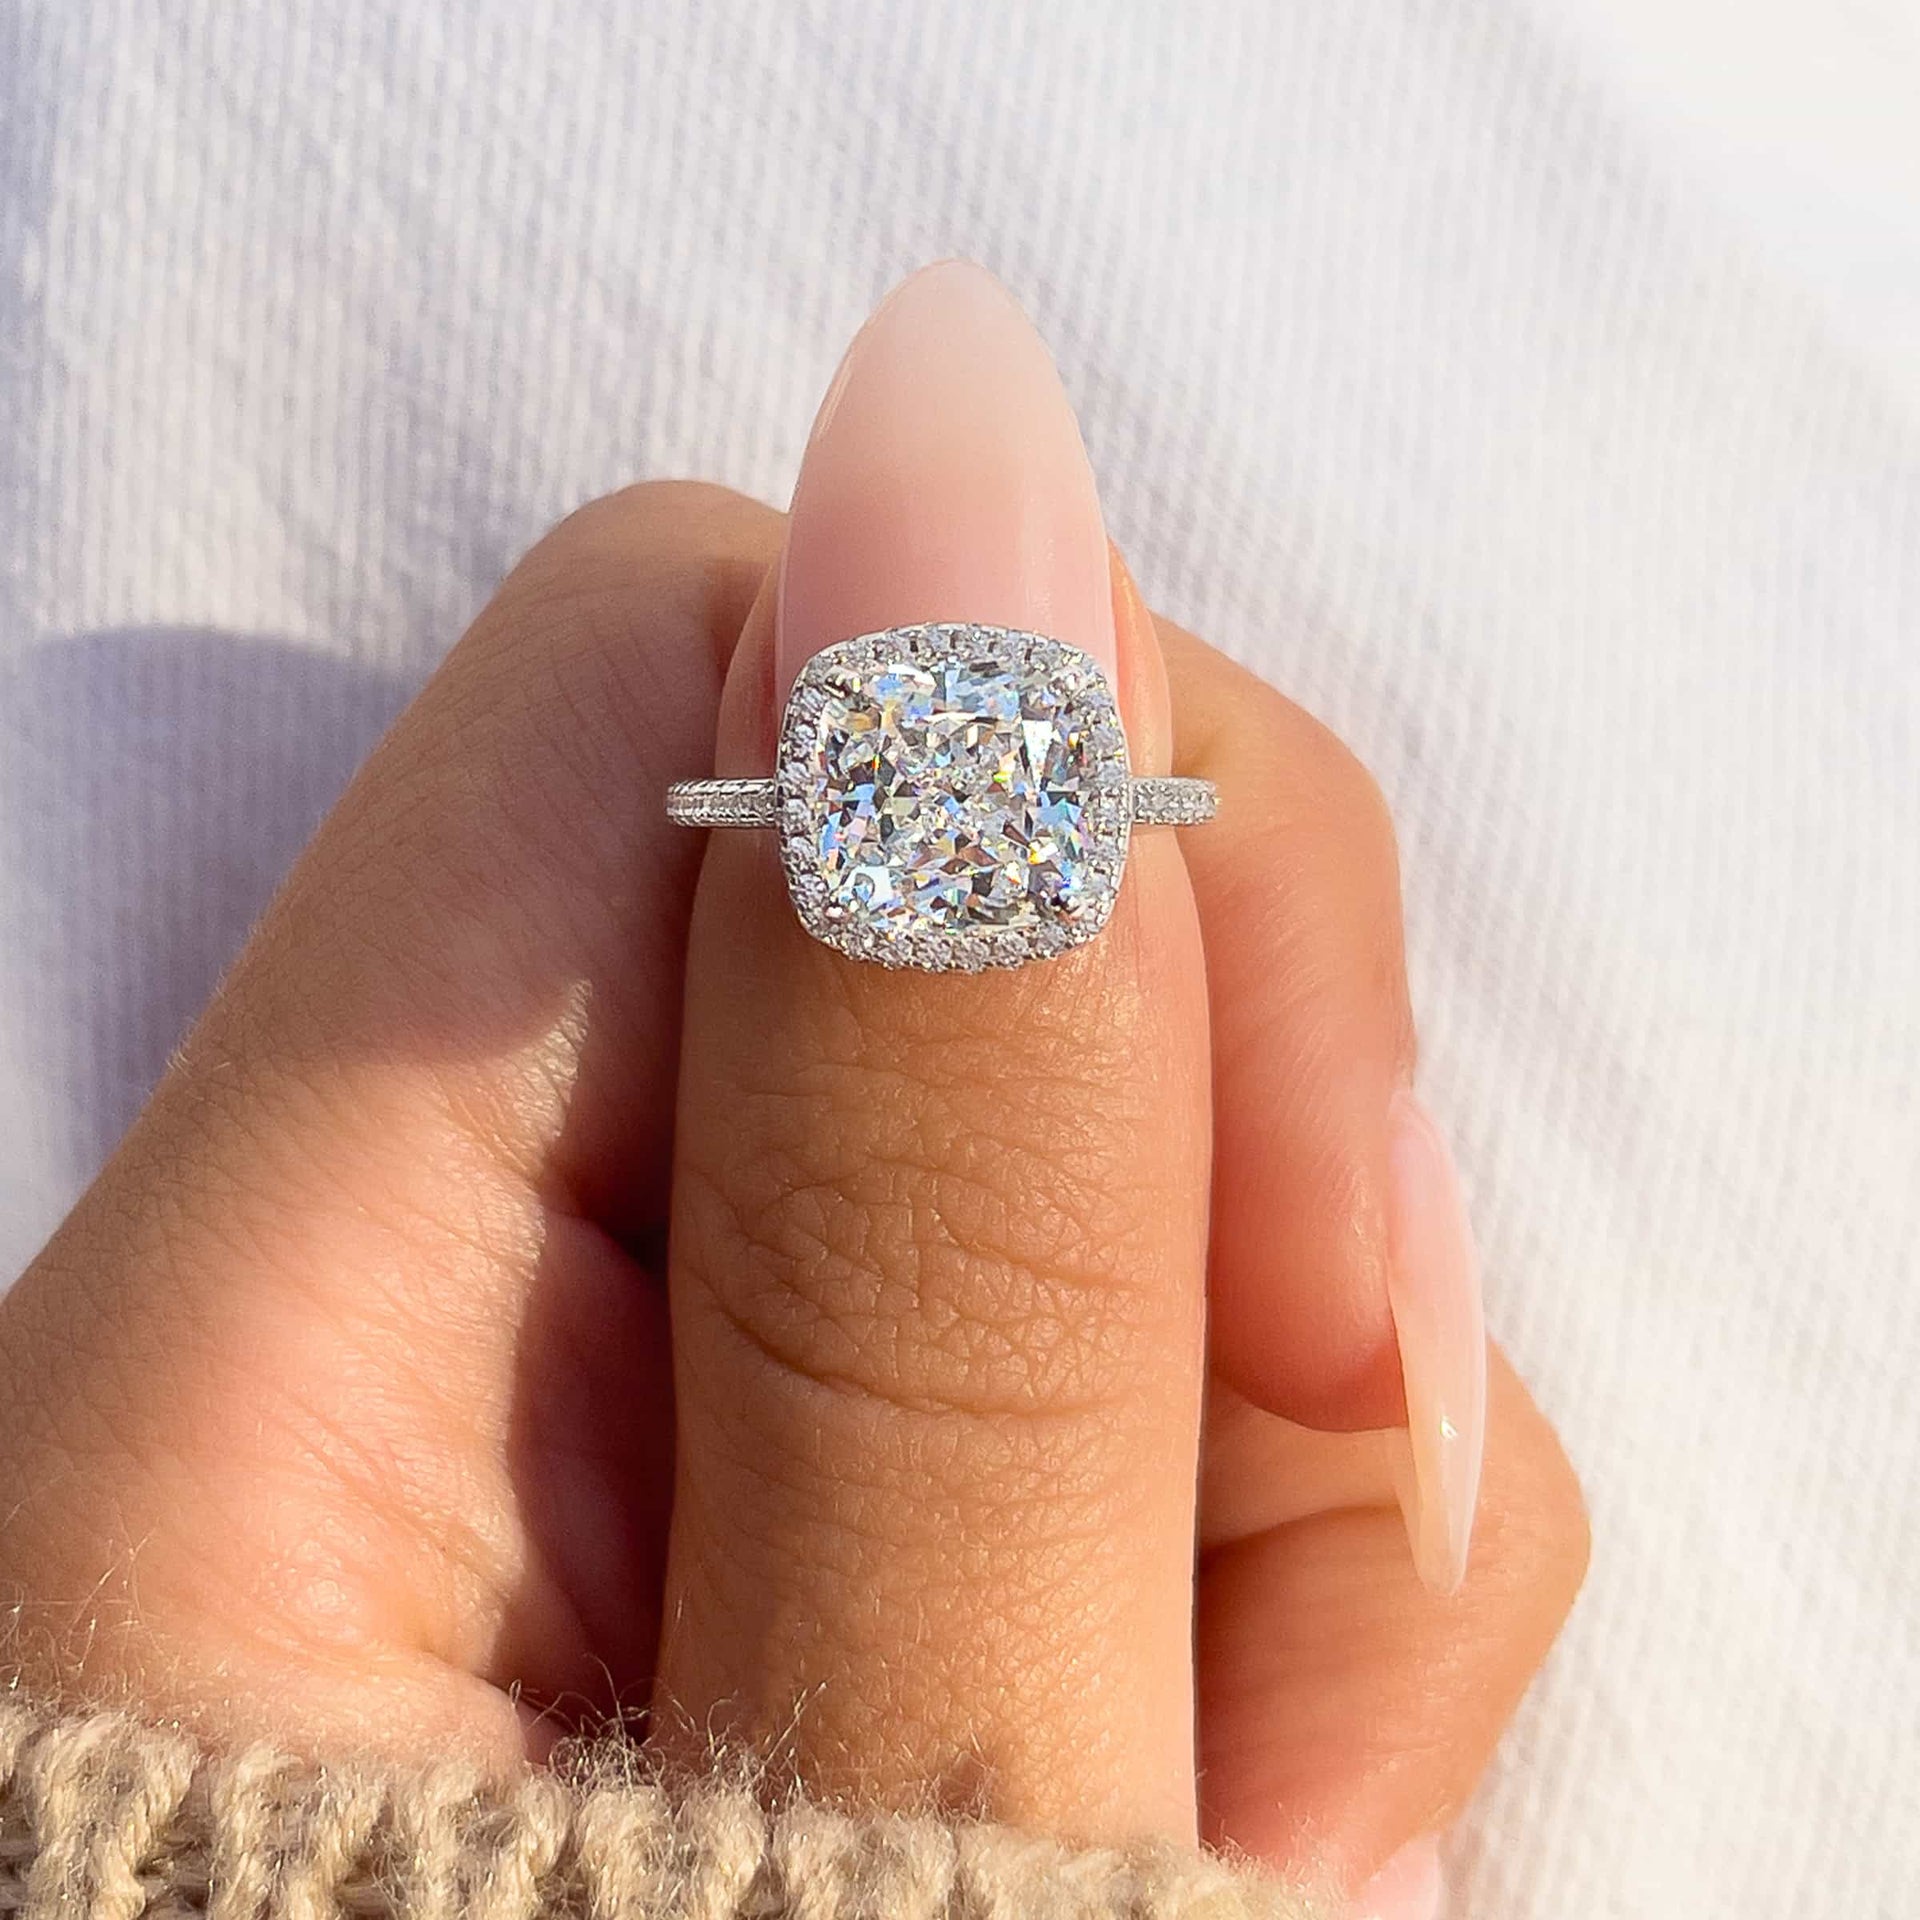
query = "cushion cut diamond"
{"x": 957, "y": 796}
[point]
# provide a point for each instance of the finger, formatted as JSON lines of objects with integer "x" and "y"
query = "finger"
{"x": 938, "y": 1239}
{"x": 1345, "y": 1295}
{"x": 351, "y": 1360}
{"x": 1347, "y": 1710}
{"x": 1343, "y": 1283}
{"x": 1299, "y": 892}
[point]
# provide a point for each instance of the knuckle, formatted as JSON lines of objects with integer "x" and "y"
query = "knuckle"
{"x": 1296, "y": 770}
{"x": 1313, "y": 868}
{"x": 656, "y": 562}
{"x": 971, "y": 1245}
{"x": 667, "y": 515}
{"x": 1330, "y": 782}
{"x": 918, "y": 1286}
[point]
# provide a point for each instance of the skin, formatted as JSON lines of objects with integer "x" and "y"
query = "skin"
{"x": 346, "y": 1407}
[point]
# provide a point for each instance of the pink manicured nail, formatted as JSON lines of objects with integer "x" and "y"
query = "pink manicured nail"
{"x": 1408, "y": 1887}
{"x": 945, "y": 480}
{"x": 1433, "y": 1287}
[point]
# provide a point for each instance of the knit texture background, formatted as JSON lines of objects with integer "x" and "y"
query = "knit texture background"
{"x": 1411, "y": 377}
{"x": 102, "y": 1819}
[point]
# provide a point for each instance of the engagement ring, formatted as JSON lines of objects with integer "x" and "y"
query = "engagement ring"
{"x": 950, "y": 797}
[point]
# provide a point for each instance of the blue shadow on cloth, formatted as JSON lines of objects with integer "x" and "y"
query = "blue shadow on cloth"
{"x": 155, "y": 785}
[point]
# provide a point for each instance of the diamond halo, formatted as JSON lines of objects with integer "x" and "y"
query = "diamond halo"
{"x": 952, "y": 797}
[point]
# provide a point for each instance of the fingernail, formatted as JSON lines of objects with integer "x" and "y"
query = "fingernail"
{"x": 945, "y": 480}
{"x": 1408, "y": 1887}
{"x": 1433, "y": 1288}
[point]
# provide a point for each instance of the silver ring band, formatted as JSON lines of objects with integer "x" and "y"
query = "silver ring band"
{"x": 1157, "y": 800}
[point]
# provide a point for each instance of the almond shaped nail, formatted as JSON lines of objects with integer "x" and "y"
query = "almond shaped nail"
{"x": 945, "y": 479}
{"x": 1433, "y": 1289}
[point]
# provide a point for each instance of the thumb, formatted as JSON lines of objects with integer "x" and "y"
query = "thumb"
{"x": 937, "y": 1245}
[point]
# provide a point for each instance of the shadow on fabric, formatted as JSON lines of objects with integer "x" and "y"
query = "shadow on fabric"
{"x": 155, "y": 785}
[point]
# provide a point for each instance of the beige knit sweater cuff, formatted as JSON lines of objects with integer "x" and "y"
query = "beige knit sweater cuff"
{"x": 103, "y": 1817}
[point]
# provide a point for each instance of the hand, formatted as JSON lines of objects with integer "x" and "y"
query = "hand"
{"x": 347, "y": 1406}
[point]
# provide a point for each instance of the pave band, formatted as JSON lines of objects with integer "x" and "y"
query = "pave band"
{"x": 1157, "y": 800}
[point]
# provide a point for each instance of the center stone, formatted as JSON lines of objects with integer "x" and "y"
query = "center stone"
{"x": 953, "y": 795}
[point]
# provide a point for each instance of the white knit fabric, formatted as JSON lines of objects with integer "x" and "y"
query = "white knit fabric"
{"x": 1409, "y": 378}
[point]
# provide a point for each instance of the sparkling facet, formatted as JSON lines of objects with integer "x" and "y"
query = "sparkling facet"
{"x": 951, "y": 796}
